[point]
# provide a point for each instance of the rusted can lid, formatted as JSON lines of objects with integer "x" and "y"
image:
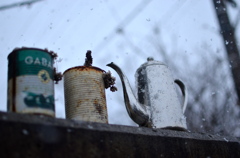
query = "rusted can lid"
{"x": 84, "y": 68}
{"x": 108, "y": 79}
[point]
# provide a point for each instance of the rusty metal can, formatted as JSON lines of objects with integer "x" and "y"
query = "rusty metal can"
{"x": 84, "y": 92}
{"x": 30, "y": 82}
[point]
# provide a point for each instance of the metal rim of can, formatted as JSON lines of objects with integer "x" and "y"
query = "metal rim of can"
{"x": 84, "y": 67}
{"x": 30, "y": 48}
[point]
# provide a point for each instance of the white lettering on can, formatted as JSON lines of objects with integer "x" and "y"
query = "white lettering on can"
{"x": 49, "y": 64}
{"x": 28, "y": 60}
{"x": 44, "y": 61}
{"x": 37, "y": 62}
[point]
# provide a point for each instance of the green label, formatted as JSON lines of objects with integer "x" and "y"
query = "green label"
{"x": 30, "y": 62}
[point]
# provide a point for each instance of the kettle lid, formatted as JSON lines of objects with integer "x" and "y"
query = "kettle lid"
{"x": 151, "y": 61}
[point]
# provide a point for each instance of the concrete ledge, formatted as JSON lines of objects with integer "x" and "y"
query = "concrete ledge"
{"x": 24, "y": 136}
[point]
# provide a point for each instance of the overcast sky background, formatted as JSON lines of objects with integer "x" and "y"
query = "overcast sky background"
{"x": 71, "y": 27}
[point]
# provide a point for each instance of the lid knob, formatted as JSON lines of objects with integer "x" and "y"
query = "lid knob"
{"x": 150, "y": 59}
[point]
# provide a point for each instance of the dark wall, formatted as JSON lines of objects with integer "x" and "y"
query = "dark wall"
{"x": 24, "y": 136}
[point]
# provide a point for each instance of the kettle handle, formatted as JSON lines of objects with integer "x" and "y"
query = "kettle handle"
{"x": 184, "y": 92}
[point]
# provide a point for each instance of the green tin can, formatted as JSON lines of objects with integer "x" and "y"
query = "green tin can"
{"x": 31, "y": 81}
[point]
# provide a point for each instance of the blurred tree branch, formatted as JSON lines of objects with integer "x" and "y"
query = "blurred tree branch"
{"x": 237, "y": 19}
{"x": 227, "y": 32}
{"x": 212, "y": 97}
{"x": 18, "y": 4}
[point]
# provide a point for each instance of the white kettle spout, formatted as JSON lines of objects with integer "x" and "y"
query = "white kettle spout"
{"x": 136, "y": 111}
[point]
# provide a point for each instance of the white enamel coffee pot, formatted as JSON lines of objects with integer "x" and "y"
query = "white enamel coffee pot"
{"x": 158, "y": 105}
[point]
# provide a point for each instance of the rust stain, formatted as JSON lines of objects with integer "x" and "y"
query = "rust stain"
{"x": 98, "y": 106}
{"x": 79, "y": 102}
{"x": 102, "y": 93}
